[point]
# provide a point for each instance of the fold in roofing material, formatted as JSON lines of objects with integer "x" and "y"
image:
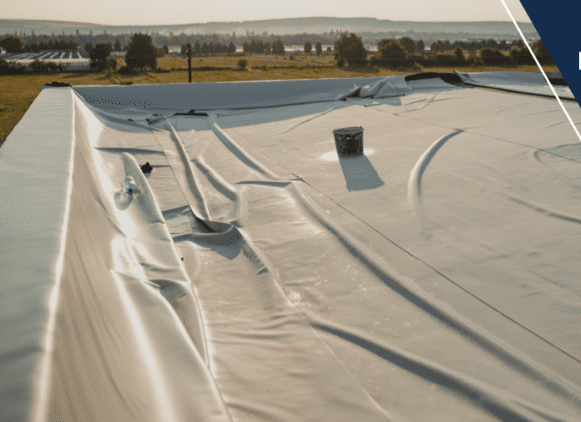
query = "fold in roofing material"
{"x": 247, "y": 95}
{"x": 526, "y": 82}
{"x": 208, "y": 96}
{"x": 258, "y": 276}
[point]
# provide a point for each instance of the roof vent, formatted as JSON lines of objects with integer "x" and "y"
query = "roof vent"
{"x": 349, "y": 141}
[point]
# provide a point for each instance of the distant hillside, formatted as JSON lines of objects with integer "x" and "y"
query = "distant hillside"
{"x": 314, "y": 25}
{"x": 42, "y": 27}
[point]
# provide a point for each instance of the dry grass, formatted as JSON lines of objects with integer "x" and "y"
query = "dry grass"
{"x": 170, "y": 62}
{"x": 19, "y": 91}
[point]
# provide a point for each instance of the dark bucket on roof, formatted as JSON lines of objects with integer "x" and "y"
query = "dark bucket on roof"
{"x": 349, "y": 141}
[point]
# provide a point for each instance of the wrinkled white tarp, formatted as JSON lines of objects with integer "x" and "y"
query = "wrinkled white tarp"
{"x": 257, "y": 276}
{"x": 528, "y": 82}
{"x": 248, "y": 95}
{"x": 207, "y": 96}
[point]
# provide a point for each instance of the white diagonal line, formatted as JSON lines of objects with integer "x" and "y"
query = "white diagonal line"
{"x": 542, "y": 71}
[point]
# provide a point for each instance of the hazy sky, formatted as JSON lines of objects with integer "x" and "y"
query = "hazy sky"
{"x": 156, "y": 12}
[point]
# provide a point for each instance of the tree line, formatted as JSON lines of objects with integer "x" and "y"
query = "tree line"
{"x": 309, "y": 48}
{"x": 392, "y": 53}
{"x": 404, "y": 52}
{"x": 208, "y": 49}
{"x": 50, "y": 45}
{"x": 141, "y": 53}
{"x": 15, "y": 68}
{"x": 262, "y": 47}
{"x": 15, "y": 44}
{"x": 252, "y": 47}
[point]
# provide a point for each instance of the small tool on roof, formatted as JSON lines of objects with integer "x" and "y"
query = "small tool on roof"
{"x": 192, "y": 112}
{"x": 146, "y": 168}
{"x": 56, "y": 84}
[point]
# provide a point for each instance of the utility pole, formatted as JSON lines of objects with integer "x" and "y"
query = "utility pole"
{"x": 190, "y": 61}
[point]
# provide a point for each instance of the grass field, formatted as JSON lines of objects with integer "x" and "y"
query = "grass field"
{"x": 19, "y": 91}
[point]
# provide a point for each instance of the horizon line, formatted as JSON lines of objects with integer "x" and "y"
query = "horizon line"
{"x": 259, "y": 20}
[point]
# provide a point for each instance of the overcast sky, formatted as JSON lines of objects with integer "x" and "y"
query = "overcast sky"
{"x": 156, "y": 12}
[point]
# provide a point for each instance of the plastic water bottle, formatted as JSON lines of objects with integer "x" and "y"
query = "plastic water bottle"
{"x": 124, "y": 196}
{"x": 128, "y": 185}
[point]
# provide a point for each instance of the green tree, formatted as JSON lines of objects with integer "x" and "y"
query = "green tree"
{"x": 391, "y": 53}
{"x": 408, "y": 44}
{"x": 318, "y": 48}
{"x": 141, "y": 52}
{"x": 98, "y": 56}
{"x": 111, "y": 63}
{"x": 231, "y": 48}
{"x": 459, "y": 54}
{"x": 308, "y": 47}
{"x": 117, "y": 46}
{"x": 278, "y": 47}
{"x": 350, "y": 48}
{"x": 12, "y": 43}
{"x": 493, "y": 57}
{"x": 491, "y": 43}
{"x": 521, "y": 55}
{"x": 197, "y": 48}
{"x": 88, "y": 47}
{"x": 39, "y": 66}
{"x": 11, "y": 68}
{"x": 542, "y": 52}
{"x": 420, "y": 47}
{"x": 437, "y": 47}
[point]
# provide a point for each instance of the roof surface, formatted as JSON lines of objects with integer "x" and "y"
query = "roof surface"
{"x": 257, "y": 275}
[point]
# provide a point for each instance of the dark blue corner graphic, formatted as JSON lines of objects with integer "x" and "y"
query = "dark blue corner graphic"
{"x": 557, "y": 23}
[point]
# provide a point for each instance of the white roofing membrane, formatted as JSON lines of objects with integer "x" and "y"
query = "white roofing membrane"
{"x": 256, "y": 275}
{"x": 529, "y": 82}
